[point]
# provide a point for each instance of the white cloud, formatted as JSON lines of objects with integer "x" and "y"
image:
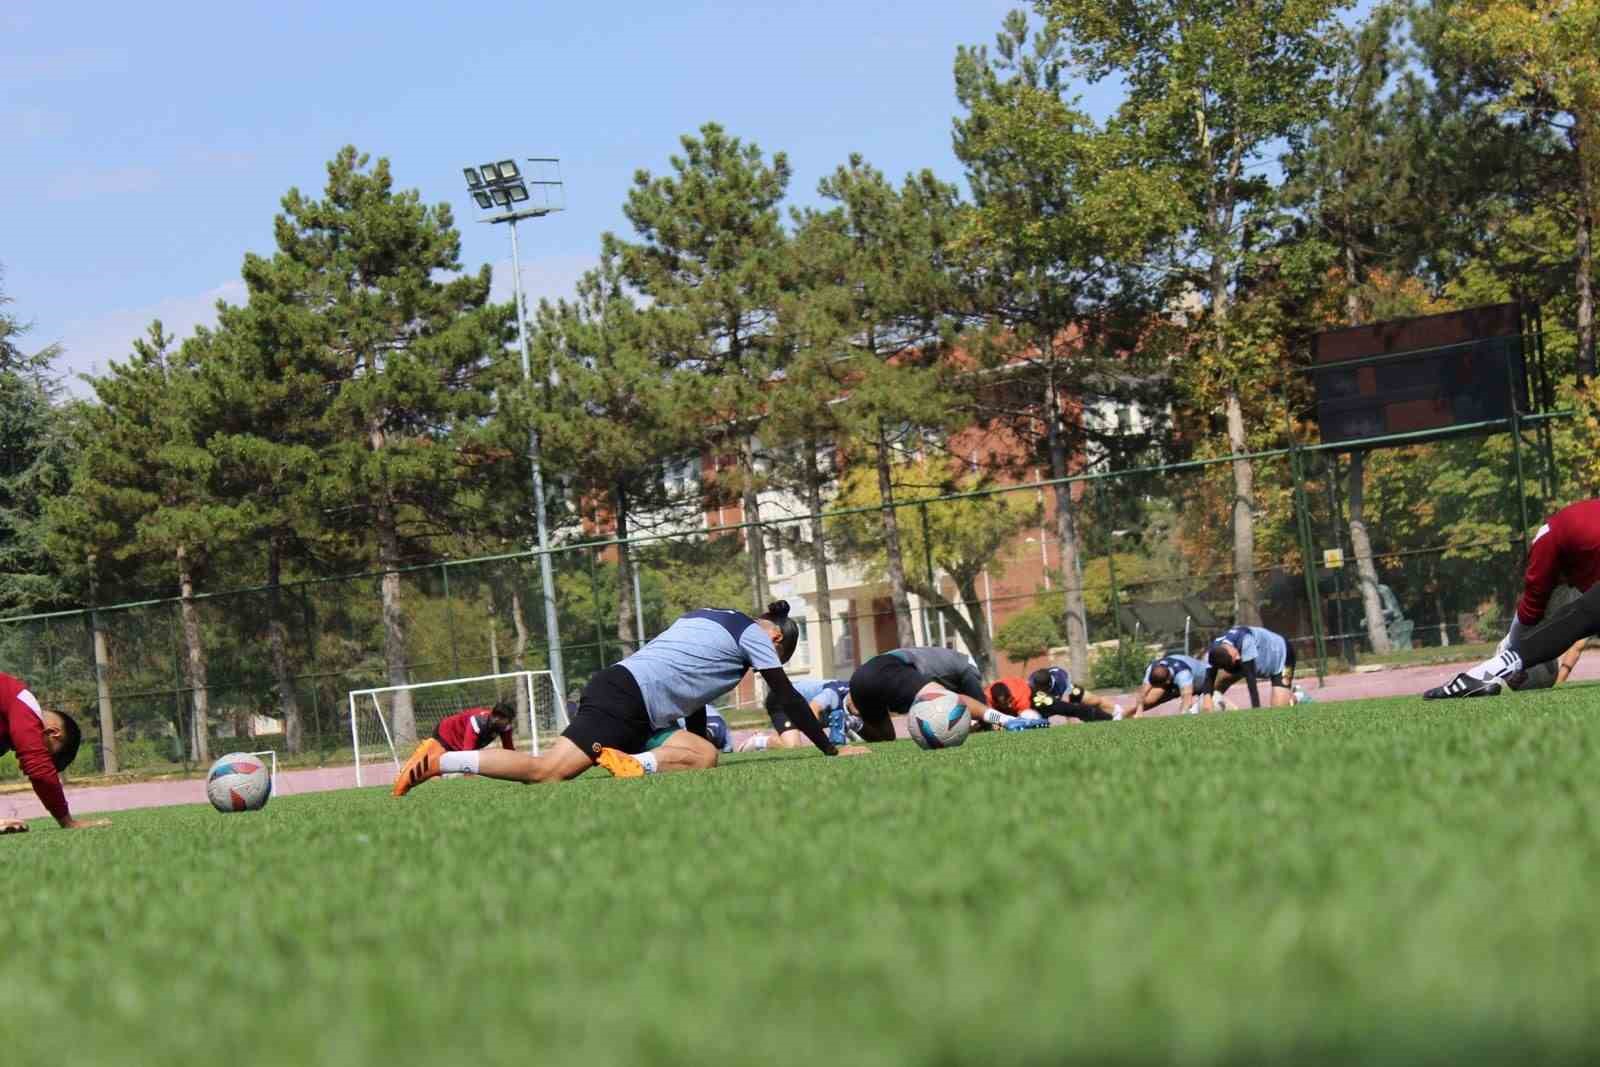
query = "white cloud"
{"x": 91, "y": 345}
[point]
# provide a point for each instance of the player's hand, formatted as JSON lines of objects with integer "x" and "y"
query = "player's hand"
{"x": 84, "y": 824}
{"x": 13, "y": 826}
{"x": 855, "y": 750}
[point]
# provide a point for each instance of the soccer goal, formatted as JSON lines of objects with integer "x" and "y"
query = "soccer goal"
{"x": 386, "y": 722}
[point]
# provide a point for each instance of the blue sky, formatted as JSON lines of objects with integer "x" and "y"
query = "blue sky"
{"x": 147, "y": 146}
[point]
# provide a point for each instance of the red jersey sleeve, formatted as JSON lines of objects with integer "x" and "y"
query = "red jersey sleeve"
{"x": 1544, "y": 571}
{"x": 26, "y": 733}
{"x": 506, "y": 742}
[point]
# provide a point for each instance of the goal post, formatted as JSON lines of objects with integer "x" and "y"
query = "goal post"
{"x": 541, "y": 714}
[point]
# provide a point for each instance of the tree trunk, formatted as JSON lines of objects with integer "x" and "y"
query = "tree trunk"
{"x": 1247, "y": 611}
{"x": 278, "y": 643}
{"x": 982, "y": 642}
{"x": 1584, "y": 150}
{"x": 386, "y": 526}
{"x": 1074, "y": 612}
{"x": 823, "y": 641}
{"x": 194, "y": 664}
{"x": 891, "y": 547}
{"x": 627, "y": 625}
{"x": 102, "y": 685}
{"x": 1366, "y": 569}
{"x": 754, "y": 536}
{"x": 494, "y": 636}
{"x": 519, "y": 624}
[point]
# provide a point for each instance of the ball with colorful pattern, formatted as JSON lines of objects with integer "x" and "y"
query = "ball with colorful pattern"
{"x": 239, "y": 782}
{"x": 938, "y": 722}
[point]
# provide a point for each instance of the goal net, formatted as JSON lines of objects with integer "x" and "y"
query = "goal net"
{"x": 386, "y": 723}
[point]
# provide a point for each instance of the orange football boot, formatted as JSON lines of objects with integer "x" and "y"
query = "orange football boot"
{"x": 423, "y": 764}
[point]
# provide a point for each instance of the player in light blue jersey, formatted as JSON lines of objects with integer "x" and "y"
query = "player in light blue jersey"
{"x": 627, "y": 718}
{"x": 827, "y": 699}
{"x": 1174, "y": 675}
{"x": 1250, "y": 652}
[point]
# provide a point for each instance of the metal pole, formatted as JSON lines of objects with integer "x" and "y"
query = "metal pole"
{"x": 928, "y": 610}
{"x": 1516, "y": 452}
{"x": 552, "y": 626}
{"x": 638, "y": 599}
{"x": 1116, "y": 601}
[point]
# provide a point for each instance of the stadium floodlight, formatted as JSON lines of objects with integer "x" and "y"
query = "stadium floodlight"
{"x": 502, "y": 184}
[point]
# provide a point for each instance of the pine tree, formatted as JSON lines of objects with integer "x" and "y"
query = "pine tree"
{"x": 709, "y": 253}
{"x": 405, "y": 347}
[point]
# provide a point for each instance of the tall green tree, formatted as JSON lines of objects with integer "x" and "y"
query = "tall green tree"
{"x": 708, "y": 254}
{"x": 36, "y": 452}
{"x": 897, "y": 302}
{"x": 1058, "y": 238}
{"x": 407, "y": 349}
{"x": 1212, "y": 89}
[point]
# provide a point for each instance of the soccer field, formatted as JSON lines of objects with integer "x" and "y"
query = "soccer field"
{"x": 1391, "y": 881}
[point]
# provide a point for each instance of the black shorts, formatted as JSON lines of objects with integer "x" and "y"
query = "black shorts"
{"x": 885, "y": 685}
{"x": 611, "y": 714}
{"x": 780, "y": 720}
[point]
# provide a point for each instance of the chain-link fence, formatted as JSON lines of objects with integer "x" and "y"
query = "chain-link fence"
{"x": 1373, "y": 547}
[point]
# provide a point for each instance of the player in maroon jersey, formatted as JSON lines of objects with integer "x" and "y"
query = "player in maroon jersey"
{"x": 475, "y": 728}
{"x": 1566, "y": 550}
{"x": 46, "y": 742}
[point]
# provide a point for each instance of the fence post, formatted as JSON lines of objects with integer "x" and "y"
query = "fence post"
{"x": 599, "y": 620}
{"x": 1309, "y": 563}
{"x": 927, "y": 602}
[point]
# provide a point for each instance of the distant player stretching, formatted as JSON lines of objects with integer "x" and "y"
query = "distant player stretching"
{"x": 1565, "y": 550}
{"x": 1173, "y": 676}
{"x": 1251, "y": 653}
{"x": 46, "y": 742}
{"x": 477, "y": 728}
{"x": 892, "y": 682}
{"x": 627, "y": 719}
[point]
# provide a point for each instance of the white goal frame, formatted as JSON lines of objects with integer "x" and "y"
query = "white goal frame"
{"x": 524, "y": 678}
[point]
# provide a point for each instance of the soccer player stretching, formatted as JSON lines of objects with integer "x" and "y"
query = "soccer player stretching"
{"x": 46, "y": 742}
{"x": 1565, "y": 550}
{"x": 893, "y": 681}
{"x": 1171, "y": 676}
{"x": 826, "y": 699}
{"x": 477, "y": 728}
{"x": 626, "y": 708}
{"x": 1251, "y": 652}
{"x": 1054, "y": 694}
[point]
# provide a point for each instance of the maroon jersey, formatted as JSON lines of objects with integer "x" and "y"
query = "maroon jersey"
{"x": 1565, "y": 551}
{"x": 471, "y": 729}
{"x": 22, "y": 731}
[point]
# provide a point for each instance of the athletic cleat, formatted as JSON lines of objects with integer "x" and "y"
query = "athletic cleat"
{"x": 1464, "y": 685}
{"x": 423, "y": 764}
{"x": 1117, "y": 712}
{"x": 838, "y": 724}
{"x": 1027, "y": 724}
{"x": 620, "y": 764}
{"x": 754, "y": 743}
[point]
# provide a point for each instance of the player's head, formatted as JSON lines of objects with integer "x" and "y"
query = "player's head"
{"x": 784, "y": 631}
{"x": 1003, "y": 696}
{"x": 1160, "y": 675}
{"x": 1043, "y": 680}
{"x": 503, "y": 715}
{"x": 62, "y": 738}
{"x": 1223, "y": 655}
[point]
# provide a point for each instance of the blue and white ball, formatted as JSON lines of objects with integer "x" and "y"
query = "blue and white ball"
{"x": 938, "y": 722}
{"x": 239, "y": 782}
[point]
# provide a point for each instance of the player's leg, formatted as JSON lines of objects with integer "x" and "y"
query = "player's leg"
{"x": 1576, "y": 621}
{"x": 684, "y": 751}
{"x": 1282, "y": 683}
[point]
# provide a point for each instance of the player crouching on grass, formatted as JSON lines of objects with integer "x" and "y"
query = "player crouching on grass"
{"x": 1565, "y": 550}
{"x": 46, "y": 742}
{"x": 478, "y": 728}
{"x": 1170, "y": 677}
{"x": 627, "y": 719}
{"x": 890, "y": 683}
{"x": 1250, "y": 652}
{"x": 827, "y": 701}
{"x": 1054, "y": 695}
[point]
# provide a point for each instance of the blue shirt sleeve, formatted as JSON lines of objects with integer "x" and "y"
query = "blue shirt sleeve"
{"x": 1183, "y": 677}
{"x": 759, "y": 651}
{"x": 1248, "y": 650}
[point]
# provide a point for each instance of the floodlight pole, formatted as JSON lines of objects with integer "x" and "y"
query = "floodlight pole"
{"x": 547, "y": 581}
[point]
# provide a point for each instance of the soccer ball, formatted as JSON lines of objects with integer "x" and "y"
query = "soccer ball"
{"x": 940, "y": 722}
{"x": 239, "y": 782}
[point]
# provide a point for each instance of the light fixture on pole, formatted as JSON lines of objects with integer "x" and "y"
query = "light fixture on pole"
{"x": 502, "y": 184}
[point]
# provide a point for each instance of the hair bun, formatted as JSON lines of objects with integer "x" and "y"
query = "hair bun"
{"x": 778, "y": 609}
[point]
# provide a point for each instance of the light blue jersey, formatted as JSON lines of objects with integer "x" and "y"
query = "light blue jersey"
{"x": 829, "y": 693}
{"x": 1269, "y": 651}
{"x": 1185, "y": 669}
{"x": 696, "y": 660}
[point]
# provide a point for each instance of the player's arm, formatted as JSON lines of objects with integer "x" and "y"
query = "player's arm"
{"x": 1569, "y": 659}
{"x": 1208, "y": 687}
{"x": 506, "y": 741}
{"x": 1185, "y": 698}
{"x": 1139, "y": 697}
{"x": 783, "y": 696}
{"x": 1538, "y": 582}
{"x": 1249, "y": 669}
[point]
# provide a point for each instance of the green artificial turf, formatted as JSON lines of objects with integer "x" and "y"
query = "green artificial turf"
{"x": 1390, "y": 881}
